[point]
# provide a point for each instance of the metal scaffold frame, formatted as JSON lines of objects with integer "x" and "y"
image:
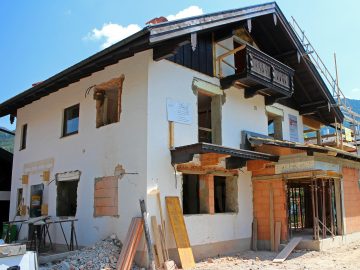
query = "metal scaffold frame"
{"x": 312, "y": 56}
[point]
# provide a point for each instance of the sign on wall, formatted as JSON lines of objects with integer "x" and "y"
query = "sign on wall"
{"x": 293, "y": 126}
{"x": 179, "y": 112}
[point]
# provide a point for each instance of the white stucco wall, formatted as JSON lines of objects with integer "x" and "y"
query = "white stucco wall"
{"x": 169, "y": 80}
{"x": 139, "y": 142}
{"x": 95, "y": 152}
{"x": 286, "y": 125}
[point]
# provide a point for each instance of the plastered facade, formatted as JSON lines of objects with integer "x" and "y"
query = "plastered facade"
{"x": 139, "y": 142}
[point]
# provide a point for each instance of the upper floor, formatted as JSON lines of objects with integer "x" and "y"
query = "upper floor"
{"x": 224, "y": 73}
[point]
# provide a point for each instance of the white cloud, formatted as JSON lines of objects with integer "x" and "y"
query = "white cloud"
{"x": 111, "y": 33}
{"x": 353, "y": 93}
{"x": 187, "y": 12}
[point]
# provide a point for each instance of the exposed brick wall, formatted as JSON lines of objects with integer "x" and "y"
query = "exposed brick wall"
{"x": 261, "y": 201}
{"x": 206, "y": 193}
{"x": 351, "y": 199}
{"x": 106, "y": 196}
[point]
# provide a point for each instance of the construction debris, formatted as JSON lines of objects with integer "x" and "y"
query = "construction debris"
{"x": 103, "y": 255}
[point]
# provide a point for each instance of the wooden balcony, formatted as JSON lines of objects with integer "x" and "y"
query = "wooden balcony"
{"x": 258, "y": 73}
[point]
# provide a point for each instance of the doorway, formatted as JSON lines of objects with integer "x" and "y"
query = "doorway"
{"x": 312, "y": 208}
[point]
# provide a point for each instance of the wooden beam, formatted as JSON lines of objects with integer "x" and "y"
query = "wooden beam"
{"x": 254, "y": 235}
{"x": 157, "y": 240}
{"x": 271, "y": 209}
{"x": 277, "y": 235}
{"x": 311, "y": 123}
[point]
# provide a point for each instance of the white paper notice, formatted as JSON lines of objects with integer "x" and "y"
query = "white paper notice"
{"x": 293, "y": 126}
{"x": 179, "y": 112}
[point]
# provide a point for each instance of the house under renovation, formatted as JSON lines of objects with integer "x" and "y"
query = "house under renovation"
{"x": 215, "y": 110}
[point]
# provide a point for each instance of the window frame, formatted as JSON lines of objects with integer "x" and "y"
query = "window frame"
{"x": 64, "y": 122}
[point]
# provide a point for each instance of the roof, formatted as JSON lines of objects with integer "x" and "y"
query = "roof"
{"x": 309, "y": 148}
{"x": 237, "y": 157}
{"x": 154, "y": 35}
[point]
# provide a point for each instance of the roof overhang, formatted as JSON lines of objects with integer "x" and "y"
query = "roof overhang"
{"x": 178, "y": 31}
{"x": 310, "y": 149}
{"x": 235, "y": 158}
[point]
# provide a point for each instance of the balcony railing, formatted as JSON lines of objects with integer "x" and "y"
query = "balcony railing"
{"x": 256, "y": 72}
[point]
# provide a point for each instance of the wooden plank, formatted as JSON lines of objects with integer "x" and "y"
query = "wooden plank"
{"x": 281, "y": 257}
{"x": 271, "y": 209}
{"x": 254, "y": 235}
{"x": 132, "y": 240}
{"x": 277, "y": 235}
{"x": 171, "y": 134}
{"x": 157, "y": 240}
{"x": 163, "y": 245}
{"x": 180, "y": 233}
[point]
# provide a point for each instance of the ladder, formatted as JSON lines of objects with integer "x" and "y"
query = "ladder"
{"x": 313, "y": 57}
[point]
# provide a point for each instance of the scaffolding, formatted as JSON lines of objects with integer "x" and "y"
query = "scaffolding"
{"x": 350, "y": 117}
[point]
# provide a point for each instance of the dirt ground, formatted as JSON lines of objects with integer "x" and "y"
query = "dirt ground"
{"x": 346, "y": 257}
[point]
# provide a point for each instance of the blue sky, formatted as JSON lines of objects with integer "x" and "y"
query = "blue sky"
{"x": 41, "y": 38}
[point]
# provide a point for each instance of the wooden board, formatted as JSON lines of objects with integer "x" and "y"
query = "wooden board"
{"x": 271, "y": 209}
{"x": 281, "y": 257}
{"x": 131, "y": 242}
{"x": 277, "y": 235}
{"x": 180, "y": 233}
{"x": 254, "y": 235}
{"x": 158, "y": 246}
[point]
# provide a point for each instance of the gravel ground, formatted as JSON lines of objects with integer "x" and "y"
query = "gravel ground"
{"x": 101, "y": 256}
{"x": 346, "y": 257}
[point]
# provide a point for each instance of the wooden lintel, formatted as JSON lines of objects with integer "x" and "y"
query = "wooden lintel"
{"x": 198, "y": 169}
{"x": 211, "y": 159}
{"x": 256, "y": 165}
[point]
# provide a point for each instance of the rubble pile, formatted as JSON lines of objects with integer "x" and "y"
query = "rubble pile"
{"x": 102, "y": 255}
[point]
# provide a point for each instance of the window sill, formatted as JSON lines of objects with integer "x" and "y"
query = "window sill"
{"x": 110, "y": 124}
{"x": 69, "y": 134}
{"x": 215, "y": 214}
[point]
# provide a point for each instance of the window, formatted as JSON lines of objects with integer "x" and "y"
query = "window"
{"x": 209, "y": 194}
{"x": 71, "y": 120}
{"x": 19, "y": 201}
{"x": 66, "y": 200}
{"x": 36, "y": 197}
{"x": 23, "y": 137}
{"x": 209, "y": 118}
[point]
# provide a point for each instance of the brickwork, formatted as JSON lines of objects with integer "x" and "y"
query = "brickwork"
{"x": 261, "y": 202}
{"x": 351, "y": 199}
{"x": 206, "y": 193}
{"x": 106, "y": 196}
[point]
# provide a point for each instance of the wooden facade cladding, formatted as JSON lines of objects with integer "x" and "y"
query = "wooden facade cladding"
{"x": 200, "y": 60}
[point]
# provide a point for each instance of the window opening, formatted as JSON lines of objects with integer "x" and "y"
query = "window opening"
{"x": 204, "y": 118}
{"x": 191, "y": 200}
{"x": 23, "y": 137}
{"x": 108, "y": 101}
{"x": 66, "y": 200}
{"x": 19, "y": 201}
